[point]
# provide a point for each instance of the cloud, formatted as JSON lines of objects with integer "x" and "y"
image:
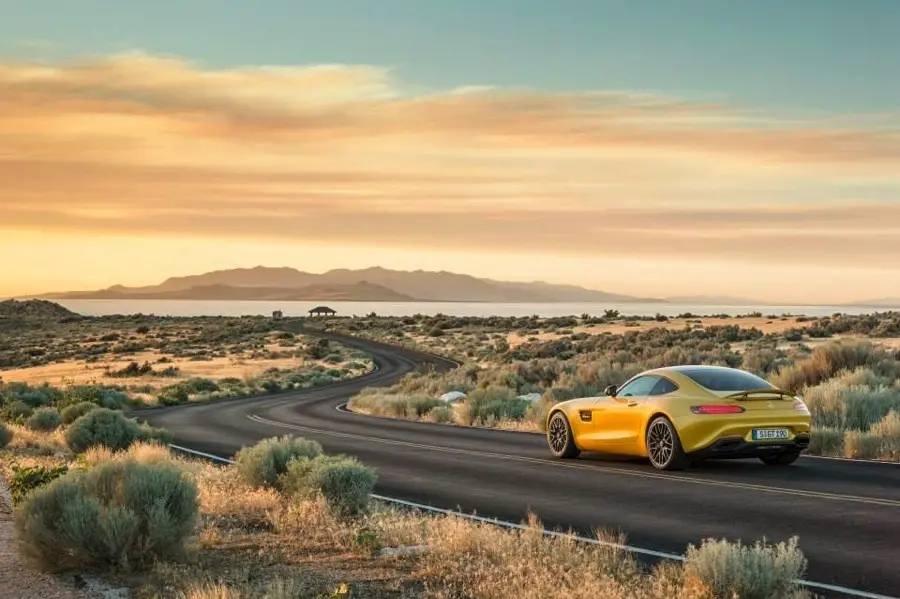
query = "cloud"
{"x": 158, "y": 145}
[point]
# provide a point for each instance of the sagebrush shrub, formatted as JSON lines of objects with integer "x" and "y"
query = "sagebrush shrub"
{"x": 345, "y": 483}
{"x": 120, "y": 514}
{"x": 152, "y": 434}
{"x": 260, "y": 465}
{"x": 6, "y": 435}
{"x": 102, "y": 426}
{"x": 71, "y": 413}
{"x": 826, "y": 441}
{"x": 759, "y": 571}
{"x": 44, "y": 419}
{"x": 485, "y": 406}
{"x": 828, "y": 360}
{"x": 17, "y": 411}
{"x": 26, "y": 479}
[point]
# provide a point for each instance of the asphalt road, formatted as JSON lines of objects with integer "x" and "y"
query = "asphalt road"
{"x": 846, "y": 514}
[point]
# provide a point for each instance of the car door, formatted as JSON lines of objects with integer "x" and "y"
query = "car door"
{"x": 617, "y": 425}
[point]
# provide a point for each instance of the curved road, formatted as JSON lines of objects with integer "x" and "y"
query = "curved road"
{"x": 847, "y": 515}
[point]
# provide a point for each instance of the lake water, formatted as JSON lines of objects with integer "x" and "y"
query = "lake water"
{"x": 252, "y": 308}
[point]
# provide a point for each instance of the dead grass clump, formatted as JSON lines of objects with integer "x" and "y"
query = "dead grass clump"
{"x": 480, "y": 561}
{"x": 211, "y": 591}
{"x": 26, "y": 440}
{"x": 760, "y": 571}
{"x": 861, "y": 445}
{"x": 888, "y": 431}
{"x": 228, "y": 502}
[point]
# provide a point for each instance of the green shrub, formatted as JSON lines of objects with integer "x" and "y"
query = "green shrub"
{"x": 44, "y": 419}
{"x": 345, "y": 483}
{"x": 836, "y": 404}
{"x": 262, "y": 464}
{"x": 488, "y": 406}
{"x": 109, "y": 428}
{"x": 749, "y": 572}
{"x": 17, "y": 411}
{"x": 24, "y": 480}
{"x": 151, "y": 434}
{"x": 71, "y": 413}
{"x": 826, "y": 441}
{"x": 120, "y": 514}
{"x": 6, "y": 435}
{"x": 174, "y": 395}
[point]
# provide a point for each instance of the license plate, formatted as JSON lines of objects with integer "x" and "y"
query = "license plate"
{"x": 768, "y": 434}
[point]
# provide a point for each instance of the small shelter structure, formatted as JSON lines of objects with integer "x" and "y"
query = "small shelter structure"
{"x": 277, "y": 314}
{"x": 320, "y": 310}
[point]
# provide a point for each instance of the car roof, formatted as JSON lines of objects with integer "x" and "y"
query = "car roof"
{"x": 683, "y": 367}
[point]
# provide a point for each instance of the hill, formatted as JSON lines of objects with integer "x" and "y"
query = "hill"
{"x": 369, "y": 284}
{"x": 881, "y": 302}
{"x": 362, "y": 291}
{"x": 34, "y": 310}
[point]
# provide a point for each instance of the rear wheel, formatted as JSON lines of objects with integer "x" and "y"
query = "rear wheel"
{"x": 664, "y": 447}
{"x": 560, "y": 437}
{"x": 781, "y": 459}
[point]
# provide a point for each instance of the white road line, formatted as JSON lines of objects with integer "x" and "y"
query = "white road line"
{"x": 512, "y": 525}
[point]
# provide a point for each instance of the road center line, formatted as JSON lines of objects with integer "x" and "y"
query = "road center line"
{"x": 606, "y": 470}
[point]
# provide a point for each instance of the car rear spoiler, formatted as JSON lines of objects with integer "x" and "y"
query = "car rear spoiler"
{"x": 742, "y": 395}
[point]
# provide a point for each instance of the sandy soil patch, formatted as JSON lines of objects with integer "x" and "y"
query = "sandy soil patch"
{"x": 82, "y": 372}
{"x": 766, "y": 325}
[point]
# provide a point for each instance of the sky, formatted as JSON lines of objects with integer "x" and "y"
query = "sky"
{"x": 742, "y": 148}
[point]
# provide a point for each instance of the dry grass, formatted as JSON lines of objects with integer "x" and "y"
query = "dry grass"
{"x": 37, "y": 443}
{"x": 255, "y": 543}
{"x": 80, "y": 372}
{"x": 766, "y": 325}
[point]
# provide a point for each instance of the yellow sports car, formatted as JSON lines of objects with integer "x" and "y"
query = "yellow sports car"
{"x": 679, "y": 414}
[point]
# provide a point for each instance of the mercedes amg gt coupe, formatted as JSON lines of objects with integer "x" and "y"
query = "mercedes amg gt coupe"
{"x": 680, "y": 414}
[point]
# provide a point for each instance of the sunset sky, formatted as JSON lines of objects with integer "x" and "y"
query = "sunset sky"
{"x": 649, "y": 148}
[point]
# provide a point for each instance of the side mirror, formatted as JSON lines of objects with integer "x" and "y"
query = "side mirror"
{"x": 611, "y": 391}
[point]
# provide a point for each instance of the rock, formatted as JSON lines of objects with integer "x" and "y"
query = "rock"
{"x": 409, "y": 550}
{"x": 453, "y": 396}
{"x": 532, "y": 397}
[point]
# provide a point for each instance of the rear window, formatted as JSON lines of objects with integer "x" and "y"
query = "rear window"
{"x": 726, "y": 380}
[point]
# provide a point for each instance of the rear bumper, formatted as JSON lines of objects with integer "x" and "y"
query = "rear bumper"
{"x": 737, "y": 447}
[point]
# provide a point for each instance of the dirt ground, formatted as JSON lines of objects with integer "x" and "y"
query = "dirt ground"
{"x": 18, "y": 579}
{"x": 80, "y": 372}
{"x": 766, "y": 325}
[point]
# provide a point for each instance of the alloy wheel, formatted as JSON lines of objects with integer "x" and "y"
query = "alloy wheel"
{"x": 660, "y": 443}
{"x": 558, "y": 434}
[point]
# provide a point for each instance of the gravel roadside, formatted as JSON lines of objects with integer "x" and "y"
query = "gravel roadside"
{"x": 18, "y": 578}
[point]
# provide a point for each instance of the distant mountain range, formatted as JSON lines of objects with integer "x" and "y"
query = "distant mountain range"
{"x": 378, "y": 284}
{"x": 370, "y": 284}
{"x": 882, "y": 302}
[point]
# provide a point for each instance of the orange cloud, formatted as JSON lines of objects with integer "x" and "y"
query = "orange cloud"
{"x": 156, "y": 145}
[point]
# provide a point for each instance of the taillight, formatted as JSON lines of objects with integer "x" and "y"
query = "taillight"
{"x": 800, "y": 406}
{"x": 717, "y": 409}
